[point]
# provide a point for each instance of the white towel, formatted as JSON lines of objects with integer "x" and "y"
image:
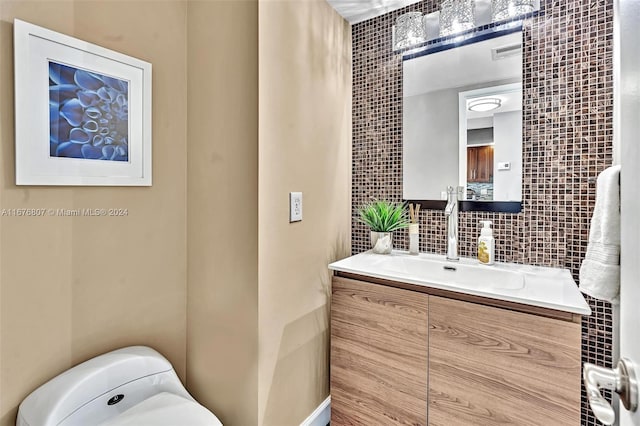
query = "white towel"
{"x": 600, "y": 270}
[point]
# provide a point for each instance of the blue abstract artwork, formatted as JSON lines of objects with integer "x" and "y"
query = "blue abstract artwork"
{"x": 88, "y": 115}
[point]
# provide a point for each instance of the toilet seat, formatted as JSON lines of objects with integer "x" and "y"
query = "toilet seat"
{"x": 165, "y": 409}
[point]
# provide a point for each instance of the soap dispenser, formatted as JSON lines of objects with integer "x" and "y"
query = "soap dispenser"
{"x": 486, "y": 244}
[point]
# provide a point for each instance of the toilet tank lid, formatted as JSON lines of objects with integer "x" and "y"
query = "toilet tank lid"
{"x": 59, "y": 397}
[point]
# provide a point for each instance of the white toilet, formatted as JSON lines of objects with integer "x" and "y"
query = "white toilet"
{"x": 130, "y": 386}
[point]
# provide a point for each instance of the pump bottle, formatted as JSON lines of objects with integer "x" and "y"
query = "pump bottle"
{"x": 486, "y": 244}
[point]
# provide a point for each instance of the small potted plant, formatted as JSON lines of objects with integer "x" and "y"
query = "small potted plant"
{"x": 383, "y": 217}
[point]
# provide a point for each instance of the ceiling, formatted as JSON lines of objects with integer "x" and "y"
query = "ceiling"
{"x": 450, "y": 71}
{"x": 361, "y": 10}
{"x": 452, "y": 68}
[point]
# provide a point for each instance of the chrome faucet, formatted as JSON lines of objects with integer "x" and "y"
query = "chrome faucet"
{"x": 451, "y": 211}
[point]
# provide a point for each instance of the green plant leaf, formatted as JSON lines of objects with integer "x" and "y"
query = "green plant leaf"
{"x": 384, "y": 216}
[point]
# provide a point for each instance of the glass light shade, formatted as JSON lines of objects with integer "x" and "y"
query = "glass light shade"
{"x": 505, "y": 9}
{"x": 409, "y": 30}
{"x": 456, "y": 16}
{"x": 484, "y": 104}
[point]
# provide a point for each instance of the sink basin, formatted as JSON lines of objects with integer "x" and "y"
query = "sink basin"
{"x": 551, "y": 288}
{"x": 453, "y": 273}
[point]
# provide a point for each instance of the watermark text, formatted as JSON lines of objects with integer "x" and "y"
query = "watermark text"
{"x": 62, "y": 212}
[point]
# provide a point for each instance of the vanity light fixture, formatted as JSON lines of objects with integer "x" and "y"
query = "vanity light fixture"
{"x": 456, "y": 16}
{"x": 505, "y": 9}
{"x": 413, "y": 29}
{"x": 484, "y": 104}
{"x": 409, "y": 30}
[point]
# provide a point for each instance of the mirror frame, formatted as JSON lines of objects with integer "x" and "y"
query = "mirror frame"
{"x": 472, "y": 205}
{"x": 440, "y": 45}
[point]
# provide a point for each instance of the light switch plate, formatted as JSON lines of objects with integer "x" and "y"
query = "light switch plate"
{"x": 295, "y": 206}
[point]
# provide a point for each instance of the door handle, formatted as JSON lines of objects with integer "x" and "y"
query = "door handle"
{"x": 621, "y": 379}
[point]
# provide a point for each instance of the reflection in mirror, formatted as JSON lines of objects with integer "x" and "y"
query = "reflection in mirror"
{"x": 462, "y": 121}
{"x": 491, "y": 143}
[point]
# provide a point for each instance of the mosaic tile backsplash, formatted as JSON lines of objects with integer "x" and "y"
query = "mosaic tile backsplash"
{"x": 567, "y": 139}
{"x": 479, "y": 191}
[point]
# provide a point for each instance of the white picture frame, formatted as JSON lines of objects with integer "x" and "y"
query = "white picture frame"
{"x": 82, "y": 112}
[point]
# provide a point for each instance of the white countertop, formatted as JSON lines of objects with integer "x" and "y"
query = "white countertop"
{"x": 551, "y": 288}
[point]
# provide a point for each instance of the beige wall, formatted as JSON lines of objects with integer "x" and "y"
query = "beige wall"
{"x": 71, "y": 288}
{"x": 223, "y": 208}
{"x": 305, "y": 145}
{"x": 237, "y": 302}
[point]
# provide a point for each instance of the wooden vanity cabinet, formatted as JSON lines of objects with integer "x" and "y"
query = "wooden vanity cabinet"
{"x": 379, "y": 355}
{"x": 400, "y": 356}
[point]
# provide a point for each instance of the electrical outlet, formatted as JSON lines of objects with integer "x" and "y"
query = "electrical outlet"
{"x": 295, "y": 206}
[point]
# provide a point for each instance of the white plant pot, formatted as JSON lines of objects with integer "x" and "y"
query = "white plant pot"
{"x": 381, "y": 242}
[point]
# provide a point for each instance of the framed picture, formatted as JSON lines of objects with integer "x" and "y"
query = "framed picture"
{"x": 83, "y": 112}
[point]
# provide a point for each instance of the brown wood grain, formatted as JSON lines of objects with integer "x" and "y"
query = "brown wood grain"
{"x": 491, "y": 366}
{"x": 379, "y": 353}
{"x": 480, "y": 164}
{"x": 520, "y": 307}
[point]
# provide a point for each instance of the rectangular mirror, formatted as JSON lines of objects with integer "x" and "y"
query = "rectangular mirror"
{"x": 462, "y": 122}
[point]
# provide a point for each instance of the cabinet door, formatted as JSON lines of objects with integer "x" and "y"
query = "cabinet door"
{"x": 484, "y": 164}
{"x": 472, "y": 164}
{"x": 490, "y": 366}
{"x": 480, "y": 164}
{"x": 378, "y": 355}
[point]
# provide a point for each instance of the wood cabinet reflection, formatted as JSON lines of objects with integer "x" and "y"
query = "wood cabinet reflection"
{"x": 480, "y": 164}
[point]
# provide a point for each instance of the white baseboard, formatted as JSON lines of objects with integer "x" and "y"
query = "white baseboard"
{"x": 321, "y": 416}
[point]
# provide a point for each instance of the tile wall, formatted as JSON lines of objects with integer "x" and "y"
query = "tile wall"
{"x": 568, "y": 134}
